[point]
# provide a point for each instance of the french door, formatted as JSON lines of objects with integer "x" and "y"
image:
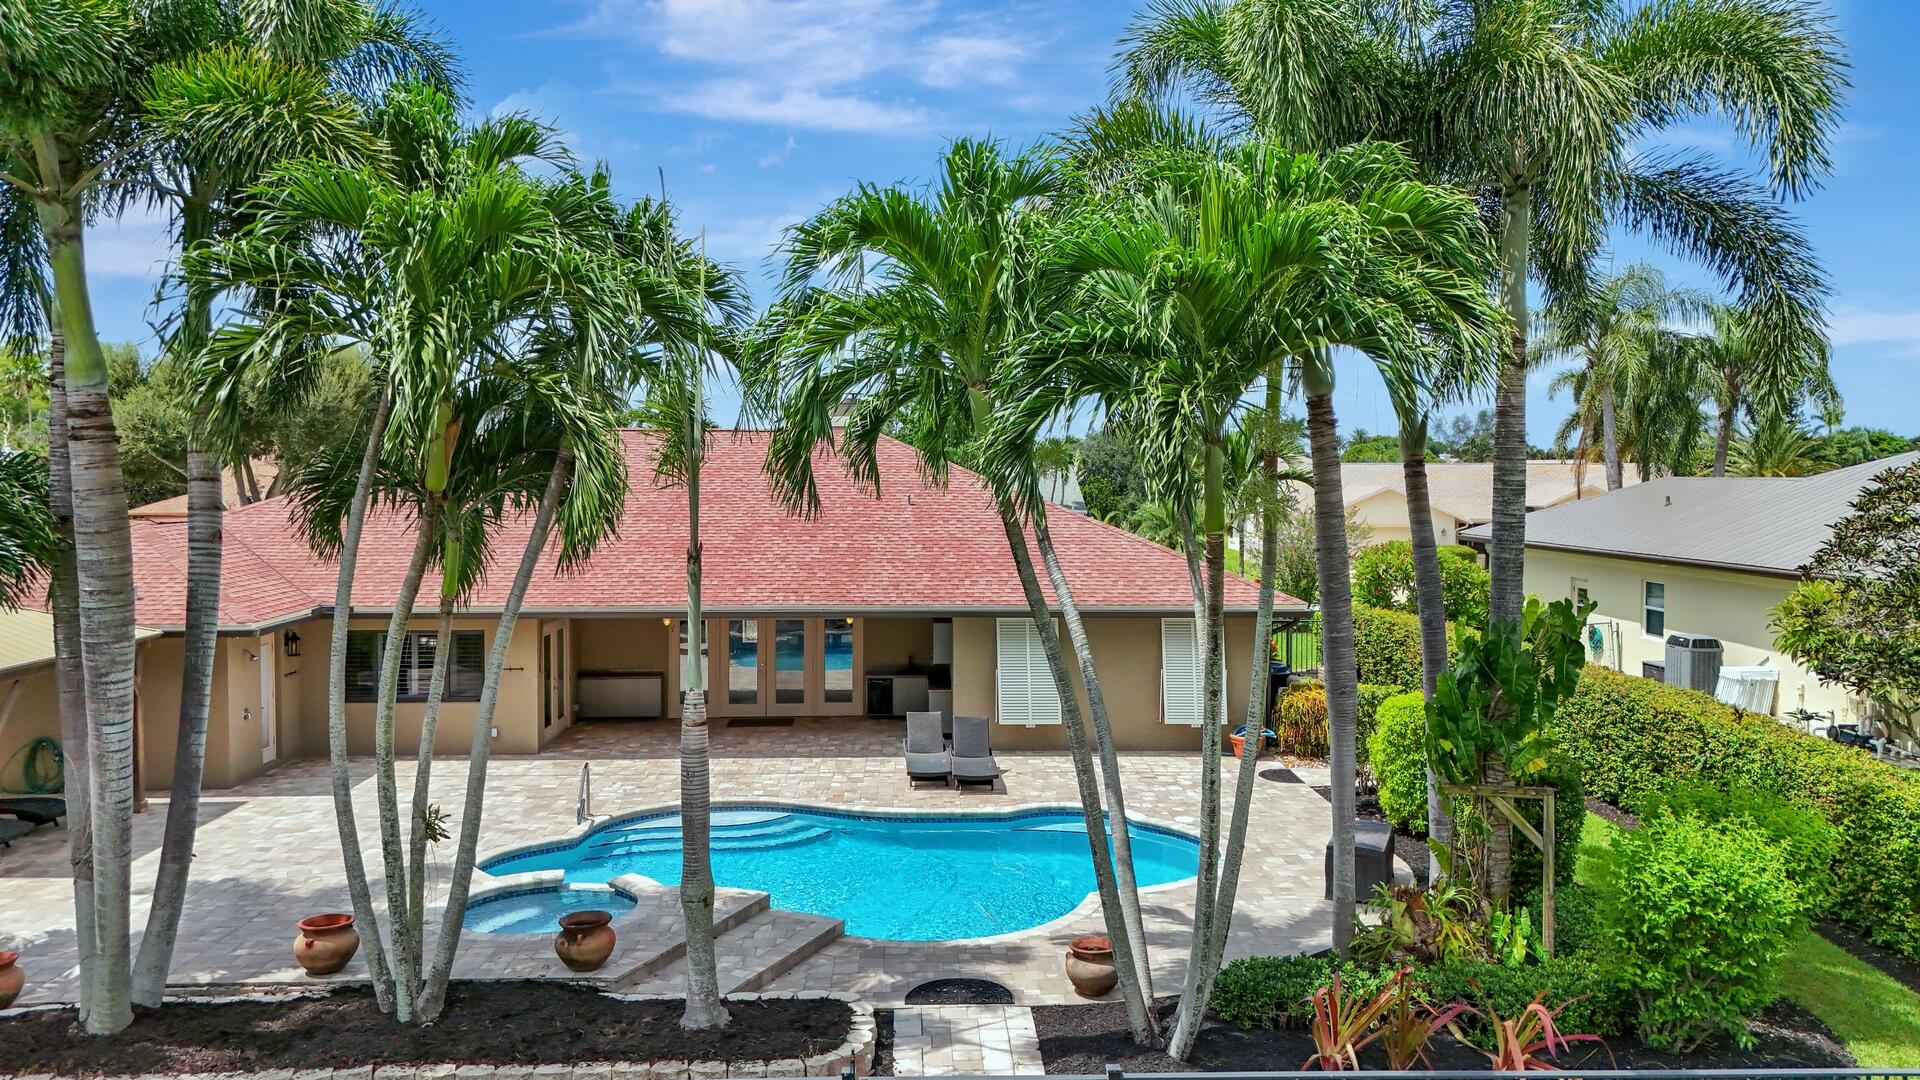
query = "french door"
{"x": 785, "y": 666}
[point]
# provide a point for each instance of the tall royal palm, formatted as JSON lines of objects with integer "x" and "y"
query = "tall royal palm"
{"x": 903, "y": 306}
{"x": 1221, "y": 274}
{"x": 1537, "y": 106}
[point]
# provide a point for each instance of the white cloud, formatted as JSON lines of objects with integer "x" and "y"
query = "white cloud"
{"x": 1862, "y": 326}
{"x": 956, "y": 59}
{"x": 775, "y": 157}
{"x": 811, "y": 64}
{"x": 139, "y": 244}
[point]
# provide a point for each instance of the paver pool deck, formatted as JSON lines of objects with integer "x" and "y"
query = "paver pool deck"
{"x": 268, "y": 853}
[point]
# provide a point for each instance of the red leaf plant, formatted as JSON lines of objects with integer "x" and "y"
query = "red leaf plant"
{"x": 1522, "y": 1043}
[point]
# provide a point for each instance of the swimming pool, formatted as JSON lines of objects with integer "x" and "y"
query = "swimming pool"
{"x": 538, "y": 910}
{"x": 906, "y": 878}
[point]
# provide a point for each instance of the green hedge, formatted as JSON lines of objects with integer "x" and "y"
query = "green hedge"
{"x": 1591, "y": 1001}
{"x": 1634, "y": 738}
{"x": 1386, "y": 647}
{"x": 1397, "y": 754}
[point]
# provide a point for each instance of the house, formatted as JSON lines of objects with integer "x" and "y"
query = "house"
{"x": 237, "y": 489}
{"x": 874, "y": 606}
{"x": 1695, "y": 555}
{"x": 1460, "y": 493}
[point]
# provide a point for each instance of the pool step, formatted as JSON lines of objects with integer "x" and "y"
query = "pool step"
{"x": 757, "y": 839}
{"x": 658, "y": 939}
{"x": 755, "y": 952}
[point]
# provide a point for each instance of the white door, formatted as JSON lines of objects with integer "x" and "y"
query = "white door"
{"x": 269, "y": 683}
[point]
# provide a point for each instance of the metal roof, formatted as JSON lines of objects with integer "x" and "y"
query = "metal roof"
{"x": 1755, "y": 524}
{"x": 26, "y": 640}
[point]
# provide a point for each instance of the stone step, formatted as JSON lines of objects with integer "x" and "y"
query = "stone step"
{"x": 658, "y": 939}
{"x": 753, "y": 954}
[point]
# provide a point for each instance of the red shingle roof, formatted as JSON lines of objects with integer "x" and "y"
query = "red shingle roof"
{"x": 915, "y": 548}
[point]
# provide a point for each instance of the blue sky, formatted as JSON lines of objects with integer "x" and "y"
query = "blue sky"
{"x": 759, "y": 111}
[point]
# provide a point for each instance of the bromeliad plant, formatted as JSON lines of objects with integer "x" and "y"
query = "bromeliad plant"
{"x": 1344, "y": 1023}
{"x": 1522, "y": 1043}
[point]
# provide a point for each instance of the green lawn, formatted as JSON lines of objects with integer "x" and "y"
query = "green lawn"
{"x": 1878, "y": 1018}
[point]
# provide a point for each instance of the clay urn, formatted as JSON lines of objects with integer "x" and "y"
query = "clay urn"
{"x": 585, "y": 940}
{"x": 326, "y": 943}
{"x": 1090, "y": 965}
{"x": 12, "y": 979}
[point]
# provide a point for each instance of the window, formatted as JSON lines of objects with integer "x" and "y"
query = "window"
{"x": 838, "y": 653}
{"x": 1024, "y": 692}
{"x": 1183, "y": 675}
{"x": 1579, "y": 592}
{"x": 1653, "y": 621}
{"x": 464, "y": 677}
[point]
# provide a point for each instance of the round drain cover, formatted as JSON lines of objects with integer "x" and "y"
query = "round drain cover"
{"x": 1282, "y": 776}
{"x": 960, "y": 992}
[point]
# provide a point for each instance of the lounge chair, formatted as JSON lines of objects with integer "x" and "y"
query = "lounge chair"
{"x": 34, "y": 809}
{"x": 12, "y": 829}
{"x": 973, "y": 751}
{"x": 925, "y": 750}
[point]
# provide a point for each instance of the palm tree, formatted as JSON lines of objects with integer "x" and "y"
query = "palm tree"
{"x": 258, "y": 89}
{"x": 457, "y": 270}
{"x": 1212, "y": 279}
{"x": 959, "y": 288}
{"x": 29, "y": 536}
{"x": 1536, "y": 106}
{"x": 1621, "y": 328}
{"x": 1774, "y": 444}
{"x": 1745, "y": 369}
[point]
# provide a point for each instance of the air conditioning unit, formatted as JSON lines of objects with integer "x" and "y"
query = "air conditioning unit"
{"x": 1693, "y": 662}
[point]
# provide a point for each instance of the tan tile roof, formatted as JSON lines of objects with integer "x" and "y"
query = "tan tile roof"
{"x": 26, "y": 640}
{"x": 1464, "y": 489}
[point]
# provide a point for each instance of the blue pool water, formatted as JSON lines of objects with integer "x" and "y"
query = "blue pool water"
{"x": 903, "y": 878}
{"x": 537, "y": 911}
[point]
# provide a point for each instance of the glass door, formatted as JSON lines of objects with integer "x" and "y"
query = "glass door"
{"x": 789, "y": 668}
{"x": 742, "y": 682}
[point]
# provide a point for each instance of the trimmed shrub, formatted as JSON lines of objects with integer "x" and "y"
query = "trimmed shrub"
{"x": 1574, "y": 933}
{"x": 1383, "y": 577}
{"x": 1273, "y": 991}
{"x": 1806, "y": 843}
{"x": 1595, "y": 1004}
{"x": 1634, "y": 738}
{"x": 1365, "y": 714}
{"x": 1386, "y": 647}
{"x": 1300, "y": 721}
{"x": 1694, "y": 920}
{"x": 1397, "y": 754}
{"x": 1569, "y": 819}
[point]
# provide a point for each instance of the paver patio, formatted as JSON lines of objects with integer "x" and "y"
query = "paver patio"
{"x": 268, "y": 854}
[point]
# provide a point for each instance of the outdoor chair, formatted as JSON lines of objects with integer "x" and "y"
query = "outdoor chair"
{"x": 12, "y": 829}
{"x": 973, "y": 751}
{"x": 925, "y": 749}
{"x": 34, "y": 809}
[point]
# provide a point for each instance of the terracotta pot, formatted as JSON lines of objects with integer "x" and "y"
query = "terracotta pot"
{"x": 1090, "y": 965}
{"x": 1238, "y": 743}
{"x": 12, "y": 979}
{"x": 585, "y": 940}
{"x": 326, "y": 943}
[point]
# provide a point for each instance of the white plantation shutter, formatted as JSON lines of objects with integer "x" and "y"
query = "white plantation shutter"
{"x": 1023, "y": 684}
{"x": 1183, "y": 674}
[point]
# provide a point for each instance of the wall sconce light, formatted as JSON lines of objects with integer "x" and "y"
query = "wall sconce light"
{"x": 250, "y": 655}
{"x": 290, "y": 643}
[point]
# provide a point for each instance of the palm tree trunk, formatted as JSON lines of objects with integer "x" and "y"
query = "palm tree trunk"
{"x": 204, "y": 538}
{"x": 1336, "y": 636}
{"x": 1430, "y": 603}
{"x": 1610, "y": 441}
{"x": 1209, "y": 965}
{"x": 406, "y": 951}
{"x": 1139, "y": 1009}
{"x": 416, "y": 914}
{"x": 342, "y": 780}
{"x": 704, "y": 1009}
{"x": 103, "y": 562}
{"x": 1723, "y": 435}
{"x": 1116, "y": 800}
{"x": 69, "y": 674}
{"x": 1508, "y": 551}
{"x": 1206, "y": 904}
{"x": 433, "y": 996}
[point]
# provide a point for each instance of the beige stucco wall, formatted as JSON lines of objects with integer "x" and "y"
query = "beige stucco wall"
{"x": 35, "y": 712}
{"x": 1385, "y": 514}
{"x": 1126, "y": 654}
{"x": 1729, "y": 606}
{"x": 890, "y": 644}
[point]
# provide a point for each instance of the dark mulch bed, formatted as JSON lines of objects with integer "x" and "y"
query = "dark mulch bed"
{"x": 882, "y": 1042}
{"x": 485, "y": 1023}
{"x": 1897, "y": 967}
{"x": 1612, "y": 813}
{"x": 1085, "y": 1039}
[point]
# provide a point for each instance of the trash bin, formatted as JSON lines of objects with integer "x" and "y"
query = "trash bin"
{"x": 1372, "y": 858}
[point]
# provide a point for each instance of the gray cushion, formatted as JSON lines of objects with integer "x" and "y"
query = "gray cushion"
{"x": 929, "y": 766}
{"x": 13, "y": 829}
{"x": 975, "y": 768}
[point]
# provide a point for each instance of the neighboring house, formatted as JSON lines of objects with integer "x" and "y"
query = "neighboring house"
{"x": 912, "y": 592}
{"x": 235, "y": 492}
{"x": 1063, "y": 488}
{"x": 29, "y": 698}
{"x": 1460, "y": 494}
{"x": 1695, "y": 555}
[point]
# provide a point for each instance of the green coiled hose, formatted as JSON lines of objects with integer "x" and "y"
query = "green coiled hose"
{"x": 43, "y": 771}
